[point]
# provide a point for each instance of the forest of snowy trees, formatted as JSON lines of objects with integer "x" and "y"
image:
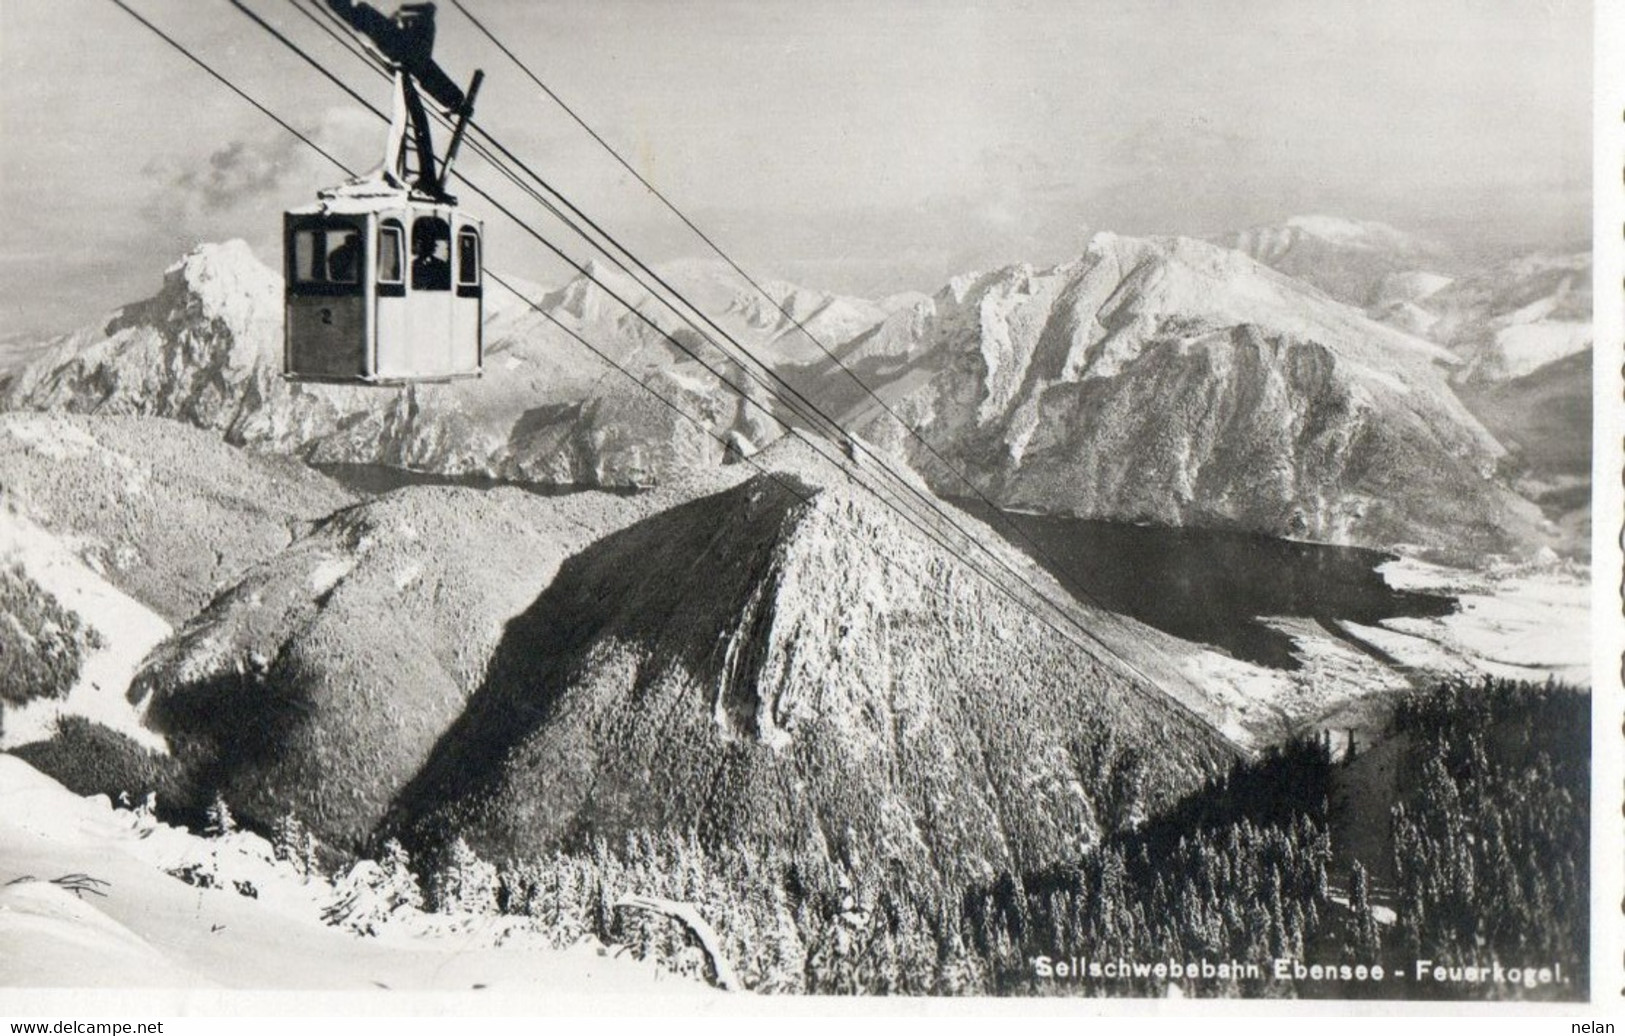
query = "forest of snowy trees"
{"x": 1487, "y": 846}
{"x": 1492, "y": 845}
{"x": 1489, "y": 843}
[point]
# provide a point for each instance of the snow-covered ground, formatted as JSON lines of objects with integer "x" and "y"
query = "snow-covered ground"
{"x": 1262, "y": 705}
{"x": 1527, "y": 622}
{"x": 259, "y": 927}
{"x": 1521, "y": 348}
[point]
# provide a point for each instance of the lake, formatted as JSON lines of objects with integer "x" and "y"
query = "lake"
{"x": 1211, "y": 586}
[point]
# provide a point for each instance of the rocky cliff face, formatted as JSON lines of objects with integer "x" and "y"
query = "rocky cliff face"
{"x": 1520, "y": 326}
{"x": 1175, "y": 382}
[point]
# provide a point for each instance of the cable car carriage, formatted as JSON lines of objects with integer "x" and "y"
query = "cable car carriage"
{"x": 383, "y": 272}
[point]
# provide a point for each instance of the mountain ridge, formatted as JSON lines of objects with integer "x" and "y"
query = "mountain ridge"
{"x": 1283, "y": 407}
{"x": 1174, "y": 382}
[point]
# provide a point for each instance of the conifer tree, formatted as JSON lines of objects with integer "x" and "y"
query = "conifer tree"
{"x": 218, "y": 820}
{"x": 464, "y": 883}
{"x": 288, "y": 843}
{"x": 400, "y": 884}
{"x": 1367, "y": 941}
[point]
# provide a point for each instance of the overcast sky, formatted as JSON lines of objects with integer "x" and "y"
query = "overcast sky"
{"x": 868, "y": 146}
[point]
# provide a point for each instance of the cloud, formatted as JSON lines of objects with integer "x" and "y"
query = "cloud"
{"x": 208, "y": 195}
{"x": 242, "y": 171}
{"x": 1174, "y": 145}
{"x": 236, "y": 173}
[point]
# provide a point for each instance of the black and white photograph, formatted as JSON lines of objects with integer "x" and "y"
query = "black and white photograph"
{"x": 754, "y": 501}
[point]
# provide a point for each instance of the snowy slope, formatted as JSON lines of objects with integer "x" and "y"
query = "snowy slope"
{"x": 1512, "y": 318}
{"x": 128, "y": 630}
{"x": 1505, "y": 318}
{"x": 149, "y": 929}
{"x": 128, "y": 525}
{"x": 166, "y": 513}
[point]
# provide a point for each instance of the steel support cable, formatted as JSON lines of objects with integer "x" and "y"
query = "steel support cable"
{"x": 892, "y": 502}
{"x": 932, "y": 503}
{"x": 337, "y": 31}
{"x": 533, "y": 304}
{"x": 581, "y": 269}
{"x": 342, "y": 38}
{"x": 228, "y": 84}
{"x": 808, "y": 411}
{"x": 1037, "y": 549}
{"x": 711, "y": 243}
{"x": 818, "y": 416}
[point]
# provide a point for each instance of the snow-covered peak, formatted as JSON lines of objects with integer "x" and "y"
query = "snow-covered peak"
{"x": 1356, "y": 233}
{"x": 1183, "y": 278}
{"x": 1334, "y": 234}
{"x": 1346, "y": 258}
{"x": 227, "y": 280}
{"x": 588, "y": 296}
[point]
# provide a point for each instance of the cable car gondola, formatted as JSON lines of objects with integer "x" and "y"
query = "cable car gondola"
{"x": 383, "y": 272}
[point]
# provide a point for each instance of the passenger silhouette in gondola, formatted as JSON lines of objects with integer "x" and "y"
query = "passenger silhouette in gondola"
{"x": 343, "y": 262}
{"x": 431, "y": 256}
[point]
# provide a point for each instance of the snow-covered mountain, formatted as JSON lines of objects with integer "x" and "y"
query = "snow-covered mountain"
{"x": 774, "y": 667}
{"x": 766, "y": 668}
{"x": 1521, "y": 327}
{"x": 1350, "y": 260}
{"x": 207, "y": 350}
{"x": 839, "y": 686}
{"x": 1175, "y": 382}
{"x": 699, "y": 643}
{"x": 1506, "y": 320}
{"x": 1164, "y": 381}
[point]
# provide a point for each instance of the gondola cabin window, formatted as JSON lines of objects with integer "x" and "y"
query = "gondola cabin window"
{"x": 468, "y": 258}
{"x": 327, "y": 255}
{"x": 431, "y": 254}
{"x": 391, "y": 249}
